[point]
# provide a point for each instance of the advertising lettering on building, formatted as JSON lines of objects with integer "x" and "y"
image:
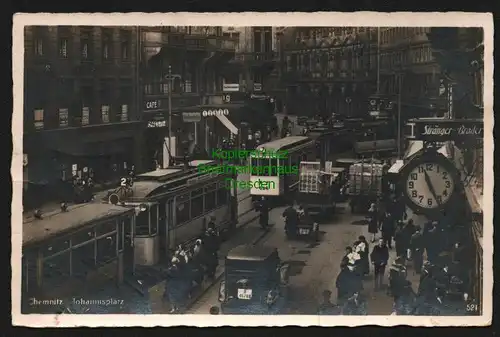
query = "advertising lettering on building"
{"x": 152, "y": 104}
{"x": 444, "y": 130}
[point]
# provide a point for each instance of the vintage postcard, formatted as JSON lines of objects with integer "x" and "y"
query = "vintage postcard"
{"x": 252, "y": 169}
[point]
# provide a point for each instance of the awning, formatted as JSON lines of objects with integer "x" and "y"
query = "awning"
{"x": 414, "y": 147}
{"x": 227, "y": 123}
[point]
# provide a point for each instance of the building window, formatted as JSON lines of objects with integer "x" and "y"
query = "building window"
{"x": 105, "y": 51}
{"x": 105, "y": 113}
{"x": 63, "y": 117}
{"x": 38, "y": 117}
{"x": 148, "y": 89}
{"x": 85, "y": 49}
{"x": 125, "y": 52}
{"x": 85, "y": 115}
{"x": 124, "y": 114}
{"x": 107, "y": 44}
{"x": 39, "y": 47}
{"x": 63, "y": 48}
{"x": 125, "y": 44}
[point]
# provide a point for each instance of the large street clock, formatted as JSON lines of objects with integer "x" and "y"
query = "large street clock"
{"x": 430, "y": 183}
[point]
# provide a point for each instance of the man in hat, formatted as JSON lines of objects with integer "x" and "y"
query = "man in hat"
{"x": 397, "y": 277}
{"x": 379, "y": 258}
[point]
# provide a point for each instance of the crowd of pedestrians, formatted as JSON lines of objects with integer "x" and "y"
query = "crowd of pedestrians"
{"x": 190, "y": 267}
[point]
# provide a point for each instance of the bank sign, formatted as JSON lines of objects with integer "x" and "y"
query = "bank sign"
{"x": 444, "y": 129}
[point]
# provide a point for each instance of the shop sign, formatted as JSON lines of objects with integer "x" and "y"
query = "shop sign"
{"x": 444, "y": 129}
{"x": 157, "y": 124}
{"x": 152, "y": 104}
{"x": 191, "y": 117}
{"x": 215, "y": 112}
{"x": 230, "y": 87}
{"x": 257, "y": 86}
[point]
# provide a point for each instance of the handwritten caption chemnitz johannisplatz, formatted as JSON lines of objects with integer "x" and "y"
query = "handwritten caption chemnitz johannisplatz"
{"x": 75, "y": 300}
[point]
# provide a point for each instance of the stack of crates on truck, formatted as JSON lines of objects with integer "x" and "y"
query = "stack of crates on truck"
{"x": 365, "y": 183}
{"x": 314, "y": 186}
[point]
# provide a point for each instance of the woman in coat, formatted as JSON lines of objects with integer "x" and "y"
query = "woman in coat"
{"x": 373, "y": 221}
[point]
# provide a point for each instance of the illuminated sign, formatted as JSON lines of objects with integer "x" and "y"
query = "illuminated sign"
{"x": 157, "y": 124}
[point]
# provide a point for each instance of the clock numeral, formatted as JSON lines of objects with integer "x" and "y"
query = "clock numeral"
{"x": 439, "y": 199}
{"x": 413, "y": 194}
{"x": 420, "y": 169}
{"x": 429, "y": 202}
{"x": 445, "y": 175}
{"x": 445, "y": 193}
{"x": 420, "y": 198}
{"x": 429, "y": 167}
{"x": 411, "y": 185}
{"x": 447, "y": 183}
{"x": 413, "y": 176}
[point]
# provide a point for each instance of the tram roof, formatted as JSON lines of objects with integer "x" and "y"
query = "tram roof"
{"x": 283, "y": 142}
{"x": 143, "y": 189}
{"x": 77, "y": 216}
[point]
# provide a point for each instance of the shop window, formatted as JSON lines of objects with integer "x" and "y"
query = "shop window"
{"x": 105, "y": 113}
{"x": 63, "y": 117}
{"x": 55, "y": 247}
{"x": 106, "y": 249}
{"x": 222, "y": 196}
{"x": 38, "y": 119}
{"x": 210, "y": 197}
{"x": 196, "y": 203}
{"x": 56, "y": 270}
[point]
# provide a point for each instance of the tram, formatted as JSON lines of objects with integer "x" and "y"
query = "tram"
{"x": 280, "y": 175}
{"x": 173, "y": 206}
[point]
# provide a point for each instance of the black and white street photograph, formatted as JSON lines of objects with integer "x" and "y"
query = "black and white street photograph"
{"x": 333, "y": 170}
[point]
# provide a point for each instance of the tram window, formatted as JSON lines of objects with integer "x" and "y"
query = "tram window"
{"x": 82, "y": 236}
{"x": 142, "y": 223}
{"x": 105, "y": 228}
{"x": 121, "y": 229}
{"x": 55, "y": 247}
{"x": 183, "y": 212}
{"x": 29, "y": 271}
{"x": 82, "y": 259}
{"x": 210, "y": 200}
{"x": 106, "y": 249}
{"x": 222, "y": 196}
{"x": 196, "y": 203}
{"x": 56, "y": 270}
{"x": 153, "y": 211}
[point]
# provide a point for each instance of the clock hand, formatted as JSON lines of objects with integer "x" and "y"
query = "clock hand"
{"x": 431, "y": 187}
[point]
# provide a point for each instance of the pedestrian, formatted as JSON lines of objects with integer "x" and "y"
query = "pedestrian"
{"x": 397, "y": 277}
{"x": 431, "y": 242}
{"x": 327, "y": 307}
{"x": 372, "y": 221}
{"x": 458, "y": 253}
{"x": 291, "y": 220}
{"x": 173, "y": 287}
{"x": 387, "y": 229}
{"x": 379, "y": 257}
{"x": 262, "y": 206}
{"x": 343, "y": 282}
{"x": 362, "y": 248}
{"x": 405, "y": 237}
{"x": 398, "y": 238}
{"x": 212, "y": 223}
{"x": 351, "y": 259}
{"x": 417, "y": 248}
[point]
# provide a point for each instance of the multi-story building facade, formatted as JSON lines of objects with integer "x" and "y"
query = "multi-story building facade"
{"x": 191, "y": 58}
{"x": 328, "y": 69}
{"x": 80, "y": 112}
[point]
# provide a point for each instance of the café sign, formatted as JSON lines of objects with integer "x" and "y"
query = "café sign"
{"x": 430, "y": 129}
{"x": 152, "y": 104}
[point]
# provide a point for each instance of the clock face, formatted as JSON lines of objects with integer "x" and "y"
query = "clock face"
{"x": 429, "y": 185}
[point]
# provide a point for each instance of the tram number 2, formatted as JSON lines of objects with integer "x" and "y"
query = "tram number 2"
{"x": 123, "y": 182}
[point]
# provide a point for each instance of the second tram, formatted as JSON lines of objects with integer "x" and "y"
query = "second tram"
{"x": 278, "y": 177}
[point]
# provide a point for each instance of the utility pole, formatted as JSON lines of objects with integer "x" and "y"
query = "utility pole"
{"x": 170, "y": 110}
{"x": 378, "y": 60}
{"x": 400, "y": 86}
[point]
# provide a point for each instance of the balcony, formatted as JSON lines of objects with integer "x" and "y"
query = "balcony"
{"x": 329, "y": 76}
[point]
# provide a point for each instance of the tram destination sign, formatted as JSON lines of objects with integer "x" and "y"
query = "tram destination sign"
{"x": 444, "y": 129}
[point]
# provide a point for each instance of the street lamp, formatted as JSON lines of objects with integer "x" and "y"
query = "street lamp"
{"x": 170, "y": 78}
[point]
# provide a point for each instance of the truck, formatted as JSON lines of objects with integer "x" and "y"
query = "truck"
{"x": 365, "y": 184}
{"x": 319, "y": 187}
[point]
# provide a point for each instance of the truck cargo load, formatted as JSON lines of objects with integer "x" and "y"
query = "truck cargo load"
{"x": 365, "y": 178}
